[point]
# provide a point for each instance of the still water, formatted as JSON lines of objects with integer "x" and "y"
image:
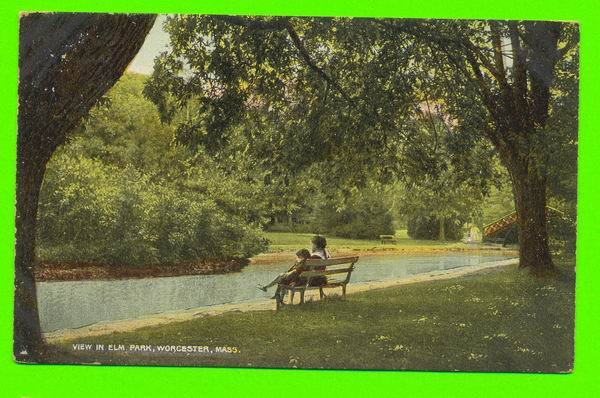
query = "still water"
{"x": 73, "y": 304}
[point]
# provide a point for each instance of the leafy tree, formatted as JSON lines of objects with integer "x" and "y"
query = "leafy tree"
{"x": 509, "y": 100}
{"x": 362, "y": 214}
{"x": 438, "y": 185}
{"x": 430, "y": 228}
{"x": 119, "y": 193}
{"x": 355, "y": 83}
{"x": 443, "y": 200}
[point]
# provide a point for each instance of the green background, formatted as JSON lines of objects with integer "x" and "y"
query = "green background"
{"x": 83, "y": 381}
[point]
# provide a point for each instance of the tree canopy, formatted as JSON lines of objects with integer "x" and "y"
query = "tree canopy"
{"x": 346, "y": 90}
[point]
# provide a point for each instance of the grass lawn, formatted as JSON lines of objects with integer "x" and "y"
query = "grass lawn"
{"x": 290, "y": 241}
{"x": 496, "y": 320}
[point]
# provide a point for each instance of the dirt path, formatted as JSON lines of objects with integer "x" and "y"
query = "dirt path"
{"x": 103, "y": 328}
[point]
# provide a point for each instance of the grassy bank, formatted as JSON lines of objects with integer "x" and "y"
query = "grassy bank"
{"x": 499, "y": 320}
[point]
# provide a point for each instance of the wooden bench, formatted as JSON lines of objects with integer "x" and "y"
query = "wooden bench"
{"x": 335, "y": 271}
{"x": 387, "y": 239}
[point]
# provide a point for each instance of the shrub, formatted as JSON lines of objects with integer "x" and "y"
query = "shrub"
{"x": 90, "y": 212}
{"x": 562, "y": 232}
{"x": 365, "y": 217}
{"x": 428, "y": 228}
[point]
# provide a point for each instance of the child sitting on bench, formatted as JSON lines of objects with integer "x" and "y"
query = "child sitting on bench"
{"x": 292, "y": 275}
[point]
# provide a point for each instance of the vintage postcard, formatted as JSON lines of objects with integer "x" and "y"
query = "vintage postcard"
{"x": 296, "y": 192}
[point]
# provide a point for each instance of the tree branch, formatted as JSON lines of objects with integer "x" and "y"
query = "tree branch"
{"x": 519, "y": 71}
{"x": 498, "y": 55}
{"x": 284, "y": 24}
{"x": 308, "y": 60}
{"x": 281, "y": 24}
{"x": 331, "y": 81}
{"x": 432, "y": 122}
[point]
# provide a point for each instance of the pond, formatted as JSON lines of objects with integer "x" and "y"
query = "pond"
{"x": 73, "y": 304}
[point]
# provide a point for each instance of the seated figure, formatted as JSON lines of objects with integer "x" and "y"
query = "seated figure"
{"x": 292, "y": 276}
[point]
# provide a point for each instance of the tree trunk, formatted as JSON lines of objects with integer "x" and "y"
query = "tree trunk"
{"x": 66, "y": 63}
{"x": 27, "y": 337}
{"x": 442, "y": 232}
{"x": 530, "y": 201}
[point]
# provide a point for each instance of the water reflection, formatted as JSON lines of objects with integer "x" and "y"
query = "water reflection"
{"x": 78, "y": 303}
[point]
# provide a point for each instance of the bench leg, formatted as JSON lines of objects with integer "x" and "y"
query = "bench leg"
{"x": 321, "y": 294}
{"x": 344, "y": 290}
{"x": 302, "y": 296}
{"x": 292, "y": 292}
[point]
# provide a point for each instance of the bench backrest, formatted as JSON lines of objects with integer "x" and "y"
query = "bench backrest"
{"x": 335, "y": 269}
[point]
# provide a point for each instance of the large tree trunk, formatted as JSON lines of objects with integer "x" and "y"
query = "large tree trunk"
{"x": 27, "y": 339}
{"x": 519, "y": 111}
{"x": 529, "y": 188}
{"x": 66, "y": 63}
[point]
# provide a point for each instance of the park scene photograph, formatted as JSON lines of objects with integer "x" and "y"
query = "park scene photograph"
{"x": 296, "y": 192}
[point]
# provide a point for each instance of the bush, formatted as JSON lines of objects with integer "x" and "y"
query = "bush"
{"x": 90, "y": 212}
{"x": 562, "y": 232}
{"x": 428, "y": 228}
{"x": 365, "y": 217}
{"x": 120, "y": 193}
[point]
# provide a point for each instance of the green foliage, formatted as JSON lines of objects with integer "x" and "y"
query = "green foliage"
{"x": 498, "y": 203}
{"x": 562, "y": 232}
{"x": 365, "y": 215}
{"x": 436, "y": 188}
{"x": 560, "y": 157}
{"x": 428, "y": 228}
{"x": 120, "y": 193}
{"x": 254, "y": 75}
{"x": 341, "y": 91}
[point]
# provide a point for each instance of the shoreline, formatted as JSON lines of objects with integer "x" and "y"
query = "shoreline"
{"x": 59, "y": 272}
{"x": 96, "y": 272}
{"x": 284, "y": 255}
{"x": 110, "y": 327}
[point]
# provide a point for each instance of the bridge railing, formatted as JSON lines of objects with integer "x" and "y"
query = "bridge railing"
{"x": 500, "y": 224}
{"x": 510, "y": 219}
